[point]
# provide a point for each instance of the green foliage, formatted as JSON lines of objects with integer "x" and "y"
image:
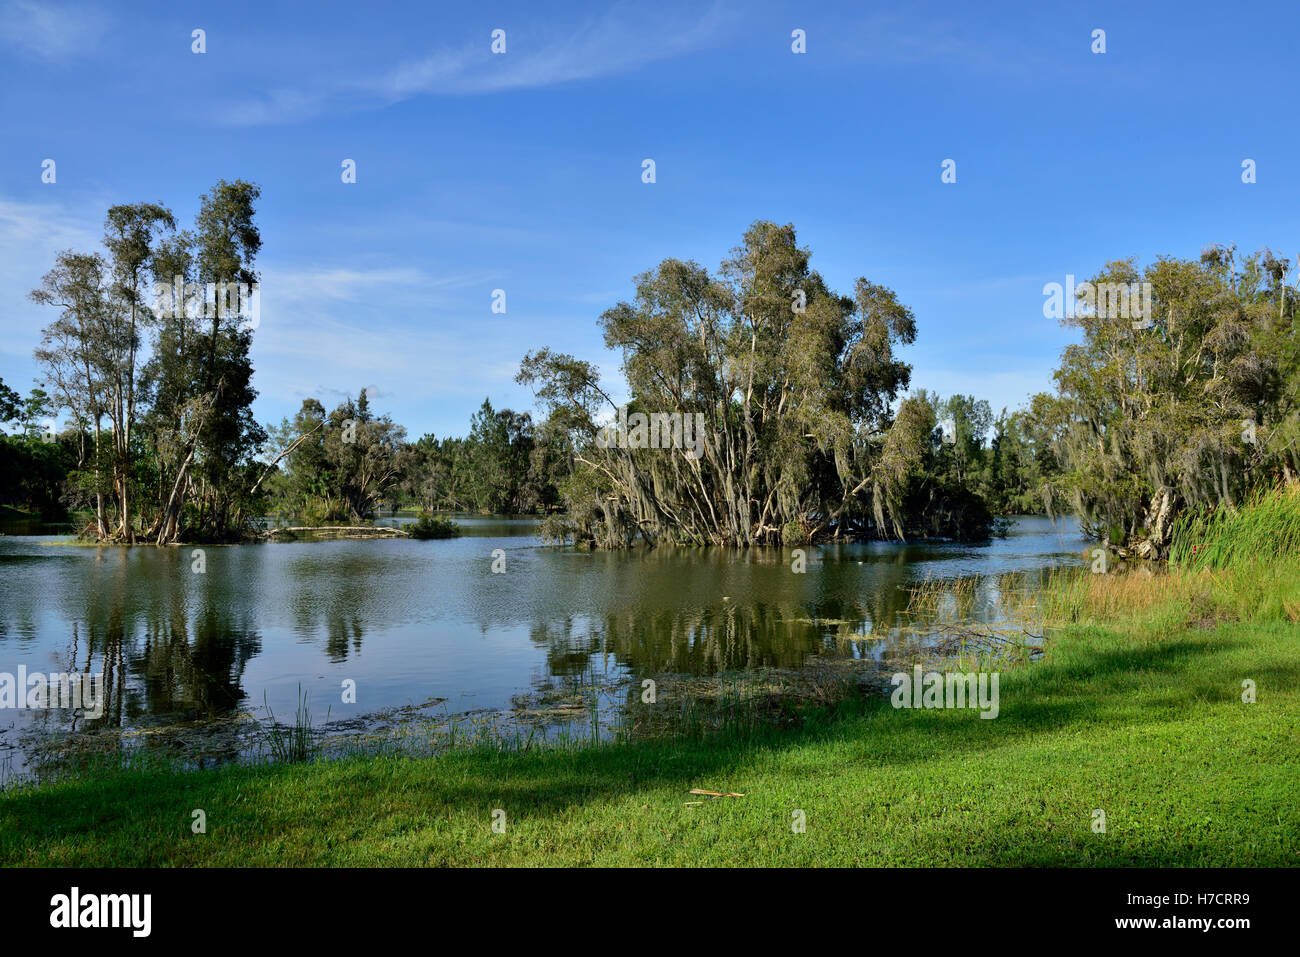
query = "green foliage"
{"x": 501, "y": 444}
{"x": 427, "y": 526}
{"x": 504, "y": 466}
{"x": 336, "y": 467}
{"x": 35, "y": 465}
{"x": 1266, "y": 527}
{"x": 34, "y": 473}
{"x": 794, "y": 385}
{"x": 160, "y": 404}
{"x": 1197, "y": 409}
{"x": 10, "y": 403}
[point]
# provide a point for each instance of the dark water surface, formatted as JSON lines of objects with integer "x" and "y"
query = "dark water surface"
{"x": 417, "y": 623}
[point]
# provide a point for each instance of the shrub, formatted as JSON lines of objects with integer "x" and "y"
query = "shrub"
{"x": 427, "y": 526}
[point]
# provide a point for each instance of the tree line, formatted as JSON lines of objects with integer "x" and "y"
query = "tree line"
{"x": 348, "y": 464}
{"x": 809, "y": 429}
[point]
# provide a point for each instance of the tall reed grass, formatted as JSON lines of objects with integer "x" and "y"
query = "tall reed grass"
{"x": 296, "y": 742}
{"x": 1267, "y": 526}
{"x": 1228, "y": 564}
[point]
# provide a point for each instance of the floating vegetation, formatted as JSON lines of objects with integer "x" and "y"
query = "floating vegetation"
{"x": 330, "y": 532}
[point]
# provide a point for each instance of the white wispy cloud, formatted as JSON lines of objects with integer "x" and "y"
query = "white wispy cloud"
{"x": 623, "y": 39}
{"x": 48, "y": 225}
{"x": 329, "y": 330}
{"x": 919, "y": 37}
{"x": 31, "y": 235}
{"x": 350, "y": 283}
{"x": 52, "y": 31}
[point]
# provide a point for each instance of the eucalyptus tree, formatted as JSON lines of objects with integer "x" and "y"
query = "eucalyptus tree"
{"x": 191, "y": 472}
{"x": 226, "y": 243}
{"x": 170, "y": 376}
{"x": 91, "y": 353}
{"x": 75, "y": 357}
{"x": 129, "y": 235}
{"x": 1194, "y": 405}
{"x": 792, "y": 383}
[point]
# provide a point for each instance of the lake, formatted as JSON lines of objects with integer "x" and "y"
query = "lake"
{"x": 192, "y": 660}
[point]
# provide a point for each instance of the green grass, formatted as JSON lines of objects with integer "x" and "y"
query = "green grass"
{"x": 1137, "y": 713}
{"x": 1267, "y": 526}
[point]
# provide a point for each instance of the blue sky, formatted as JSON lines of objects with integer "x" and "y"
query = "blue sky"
{"x": 522, "y": 171}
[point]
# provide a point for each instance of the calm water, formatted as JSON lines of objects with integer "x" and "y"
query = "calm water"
{"x": 428, "y": 624}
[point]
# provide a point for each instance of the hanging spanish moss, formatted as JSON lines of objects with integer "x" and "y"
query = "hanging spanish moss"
{"x": 761, "y": 412}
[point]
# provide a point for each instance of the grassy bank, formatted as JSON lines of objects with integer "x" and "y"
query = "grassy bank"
{"x": 1138, "y": 715}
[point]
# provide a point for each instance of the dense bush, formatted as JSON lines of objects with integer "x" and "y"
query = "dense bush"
{"x": 427, "y": 526}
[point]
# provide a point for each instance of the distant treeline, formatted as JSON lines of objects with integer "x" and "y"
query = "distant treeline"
{"x": 347, "y": 464}
{"x": 34, "y": 463}
{"x": 792, "y": 418}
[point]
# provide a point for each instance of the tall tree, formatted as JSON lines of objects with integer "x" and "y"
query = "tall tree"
{"x": 1194, "y": 405}
{"x": 793, "y": 383}
{"x": 129, "y": 235}
{"x": 77, "y": 353}
{"x": 227, "y": 241}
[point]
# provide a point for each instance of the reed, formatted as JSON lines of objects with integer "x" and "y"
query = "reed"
{"x": 292, "y": 743}
{"x": 1267, "y": 526}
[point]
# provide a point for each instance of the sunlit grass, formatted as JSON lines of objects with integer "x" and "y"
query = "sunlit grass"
{"x": 1265, "y": 589}
{"x": 1265, "y": 527}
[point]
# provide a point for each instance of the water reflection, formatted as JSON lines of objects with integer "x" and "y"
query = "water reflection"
{"x": 412, "y": 621}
